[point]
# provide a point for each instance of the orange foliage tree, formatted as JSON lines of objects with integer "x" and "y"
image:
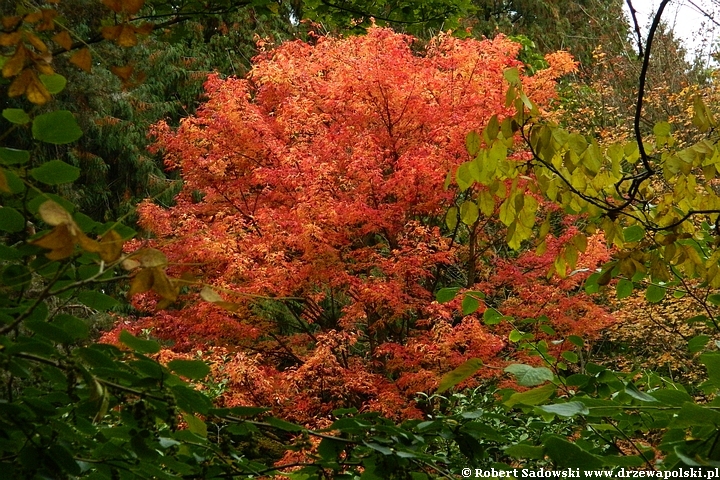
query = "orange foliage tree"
{"x": 314, "y": 188}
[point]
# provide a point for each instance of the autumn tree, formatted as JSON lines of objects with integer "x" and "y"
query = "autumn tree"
{"x": 315, "y": 185}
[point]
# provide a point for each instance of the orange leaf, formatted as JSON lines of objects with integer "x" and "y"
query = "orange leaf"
{"x": 82, "y": 59}
{"x": 8, "y": 39}
{"x": 124, "y": 72}
{"x": 63, "y": 39}
{"x": 114, "y": 5}
{"x": 48, "y": 20}
{"x": 144, "y": 29}
{"x": 20, "y": 84}
{"x": 111, "y": 32}
{"x": 10, "y": 23}
{"x": 85, "y": 242}
{"x": 59, "y": 241}
{"x": 36, "y": 42}
{"x": 141, "y": 283}
{"x": 132, "y": 6}
{"x": 33, "y": 17}
{"x": 16, "y": 63}
{"x": 127, "y": 37}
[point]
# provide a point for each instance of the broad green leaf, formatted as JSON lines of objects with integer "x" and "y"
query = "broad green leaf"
{"x": 568, "y": 409}
{"x": 138, "y": 344}
{"x": 662, "y": 129}
{"x": 634, "y": 233}
{"x": 195, "y": 425}
{"x": 633, "y": 391}
{"x": 11, "y": 220}
{"x": 11, "y": 156}
{"x": 569, "y": 455}
{"x": 570, "y": 356}
{"x": 577, "y": 341}
{"x": 712, "y": 364}
{"x": 624, "y": 288}
{"x": 55, "y": 172}
{"x": 512, "y": 75}
{"x": 16, "y": 115}
{"x": 97, "y": 300}
{"x": 481, "y": 431}
{"x": 54, "y": 83}
{"x": 470, "y": 304}
{"x": 469, "y": 212}
{"x": 655, "y": 293}
{"x": 529, "y": 376}
{"x": 190, "y": 400}
{"x": 445, "y": 295}
{"x": 525, "y": 451}
{"x": 58, "y": 127}
{"x": 451, "y": 218}
{"x": 532, "y": 397}
{"x": 694, "y": 415}
{"x": 192, "y": 369}
{"x": 73, "y": 326}
{"x": 492, "y": 316}
{"x": 472, "y": 142}
{"x": 50, "y": 331}
{"x": 698, "y": 343}
{"x": 283, "y": 425}
{"x": 460, "y": 374}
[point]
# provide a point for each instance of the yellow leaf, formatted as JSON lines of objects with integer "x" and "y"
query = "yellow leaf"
{"x": 9, "y": 23}
{"x": 36, "y": 91}
{"x": 63, "y": 39}
{"x": 150, "y": 258}
{"x": 59, "y": 241}
{"x": 82, "y": 59}
{"x": 33, "y": 17}
{"x": 48, "y": 20}
{"x": 145, "y": 29}
{"x": 124, "y": 72}
{"x": 36, "y": 42}
{"x": 210, "y": 295}
{"x": 85, "y": 242}
{"x": 111, "y": 32}
{"x": 111, "y": 246}
{"x": 4, "y": 187}
{"x": 53, "y": 214}
{"x": 141, "y": 283}
{"x": 16, "y": 63}
{"x": 127, "y": 37}
{"x": 163, "y": 286}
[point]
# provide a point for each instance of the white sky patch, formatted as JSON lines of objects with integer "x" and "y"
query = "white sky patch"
{"x": 688, "y": 20}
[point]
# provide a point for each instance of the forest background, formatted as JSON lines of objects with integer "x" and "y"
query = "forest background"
{"x": 358, "y": 253}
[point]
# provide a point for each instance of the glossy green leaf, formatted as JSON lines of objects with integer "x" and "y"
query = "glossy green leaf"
{"x": 634, "y": 233}
{"x": 54, "y": 83}
{"x": 698, "y": 343}
{"x": 655, "y": 293}
{"x": 55, "y": 172}
{"x": 96, "y": 300}
{"x": 624, "y": 288}
{"x": 12, "y": 156}
{"x": 11, "y": 220}
{"x": 58, "y": 127}
{"x": 16, "y": 115}
{"x": 138, "y": 344}
{"x": 492, "y": 316}
{"x": 532, "y": 397}
{"x": 460, "y": 374}
{"x": 192, "y": 369}
{"x": 445, "y": 295}
{"x": 529, "y": 376}
{"x": 190, "y": 400}
{"x": 635, "y": 393}
{"x": 469, "y": 304}
{"x": 568, "y": 409}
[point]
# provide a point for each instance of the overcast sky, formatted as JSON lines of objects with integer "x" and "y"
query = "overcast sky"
{"x": 688, "y": 21}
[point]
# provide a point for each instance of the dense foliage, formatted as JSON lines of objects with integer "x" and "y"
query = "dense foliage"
{"x": 358, "y": 248}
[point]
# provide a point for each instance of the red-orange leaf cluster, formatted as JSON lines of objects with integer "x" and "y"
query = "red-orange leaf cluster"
{"x": 317, "y": 182}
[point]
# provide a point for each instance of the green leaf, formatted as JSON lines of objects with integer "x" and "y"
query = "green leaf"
{"x": 190, "y": 400}
{"x": 525, "y": 451}
{"x": 693, "y": 415}
{"x": 655, "y": 293}
{"x": 662, "y": 129}
{"x": 568, "y": 409}
{"x": 58, "y": 127}
{"x": 97, "y": 300}
{"x": 11, "y": 220}
{"x": 712, "y": 364}
{"x": 532, "y": 397}
{"x": 445, "y": 295}
{"x": 137, "y": 344}
{"x": 634, "y": 233}
{"x": 49, "y": 331}
{"x": 55, "y": 172}
{"x": 714, "y": 299}
{"x": 570, "y": 356}
{"x": 16, "y": 116}
{"x": 192, "y": 369}
{"x": 698, "y": 343}
{"x": 73, "y": 326}
{"x": 11, "y": 156}
{"x": 492, "y": 316}
{"x": 472, "y": 142}
{"x": 528, "y": 376}
{"x": 635, "y": 393}
{"x": 569, "y": 455}
{"x": 469, "y": 212}
{"x": 54, "y": 83}
{"x": 461, "y": 373}
{"x": 512, "y": 75}
{"x": 195, "y": 425}
{"x": 283, "y": 425}
{"x": 481, "y": 431}
{"x": 624, "y": 288}
{"x": 470, "y": 304}
{"x": 577, "y": 341}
